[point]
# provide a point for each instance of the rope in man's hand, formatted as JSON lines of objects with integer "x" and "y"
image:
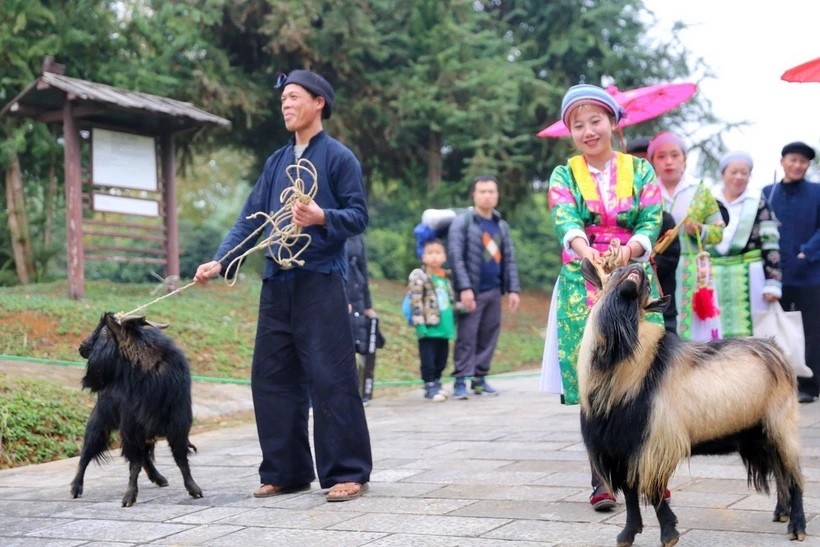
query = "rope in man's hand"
{"x": 284, "y": 234}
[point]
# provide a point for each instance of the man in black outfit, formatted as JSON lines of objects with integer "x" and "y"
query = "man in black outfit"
{"x": 303, "y": 351}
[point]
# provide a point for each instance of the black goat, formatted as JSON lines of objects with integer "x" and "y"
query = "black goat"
{"x": 143, "y": 387}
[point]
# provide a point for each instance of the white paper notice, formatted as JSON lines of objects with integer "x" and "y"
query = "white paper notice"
{"x": 123, "y": 160}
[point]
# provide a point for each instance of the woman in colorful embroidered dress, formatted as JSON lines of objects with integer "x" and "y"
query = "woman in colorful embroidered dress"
{"x": 746, "y": 263}
{"x": 692, "y": 204}
{"x": 596, "y": 197}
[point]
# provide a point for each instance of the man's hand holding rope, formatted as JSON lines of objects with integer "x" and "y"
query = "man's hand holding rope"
{"x": 307, "y": 214}
{"x": 304, "y": 215}
{"x": 207, "y": 271}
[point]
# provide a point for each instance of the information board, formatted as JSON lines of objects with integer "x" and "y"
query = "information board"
{"x": 123, "y": 160}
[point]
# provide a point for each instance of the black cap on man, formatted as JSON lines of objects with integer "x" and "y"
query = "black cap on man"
{"x": 798, "y": 147}
{"x": 316, "y": 85}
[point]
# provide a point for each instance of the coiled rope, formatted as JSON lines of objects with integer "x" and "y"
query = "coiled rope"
{"x": 284, "y": 234}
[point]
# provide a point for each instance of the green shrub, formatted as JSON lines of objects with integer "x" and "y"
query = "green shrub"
{"x": 40, "y": 421}
{"x": 390, "y": 255}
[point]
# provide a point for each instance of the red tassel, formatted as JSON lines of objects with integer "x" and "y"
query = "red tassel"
{"x": 703, "y": 303}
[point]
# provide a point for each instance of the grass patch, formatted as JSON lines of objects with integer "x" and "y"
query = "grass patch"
{"x": 215, "y": 325}
{"x": 40, "y": 421}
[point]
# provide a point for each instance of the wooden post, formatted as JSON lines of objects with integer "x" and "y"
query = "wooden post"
{"x": 170, "y": 199}
{"x": 74, "y": 204}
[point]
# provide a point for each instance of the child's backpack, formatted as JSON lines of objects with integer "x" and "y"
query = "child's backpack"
{"x": 407, "y": 308}
{"x": 435, "y": 224}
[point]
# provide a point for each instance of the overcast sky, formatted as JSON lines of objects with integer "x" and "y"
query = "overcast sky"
{"x": 748, "y": 45}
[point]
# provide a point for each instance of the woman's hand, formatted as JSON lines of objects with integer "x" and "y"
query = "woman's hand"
{"x": 624, "y": 255}
{"x": 591, "y": 253}
{"x": 583, "y": 250}
{"x": 693, "y": 228}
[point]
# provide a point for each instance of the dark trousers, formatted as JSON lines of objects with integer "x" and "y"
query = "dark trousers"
{"x": 304, "y": 353}
{"x": 433, "y": 353}
{"x": 807, "y": 301}
{"x": 477, "y": 336}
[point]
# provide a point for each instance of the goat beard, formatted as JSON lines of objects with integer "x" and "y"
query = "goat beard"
{"x": 617, "y": 321}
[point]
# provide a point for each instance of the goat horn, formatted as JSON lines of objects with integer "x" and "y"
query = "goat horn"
{"x": 125, "y": 318}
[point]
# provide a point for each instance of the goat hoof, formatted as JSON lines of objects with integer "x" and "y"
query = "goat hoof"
{"x": 668, "y": 540}
{"x": 782, "y": 512}
{"x": 193, "y": 488}
{"x": 76, "y": 491}
{"x": 129, "y": 499}
{"x": 797, "y": 532}
{"x": 627, "y": 537}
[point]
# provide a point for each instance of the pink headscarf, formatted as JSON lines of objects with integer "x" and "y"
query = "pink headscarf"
{"x": 664, "y": 137}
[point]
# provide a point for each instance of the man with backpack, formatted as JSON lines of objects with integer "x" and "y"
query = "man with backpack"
{"x": 482, "y": 260}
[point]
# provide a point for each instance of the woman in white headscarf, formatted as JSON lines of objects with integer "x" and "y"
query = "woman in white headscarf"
{"x": 746, "y": 263}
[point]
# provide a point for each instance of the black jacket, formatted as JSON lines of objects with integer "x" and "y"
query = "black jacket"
{"x": 358, "y": 289}
{"x": 666, "y": 265}
{"x": 465, "y": 249}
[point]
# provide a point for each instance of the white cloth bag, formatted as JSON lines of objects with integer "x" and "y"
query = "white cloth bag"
{"x": 786, "y": 327}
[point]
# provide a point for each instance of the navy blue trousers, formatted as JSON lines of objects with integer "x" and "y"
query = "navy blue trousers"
{"x": 304, "y": 352}
{"x": 807, "y": 300}
{"x": 433, "y": 354}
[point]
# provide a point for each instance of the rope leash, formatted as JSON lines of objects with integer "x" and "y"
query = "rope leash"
{"x": 284, "y": 234}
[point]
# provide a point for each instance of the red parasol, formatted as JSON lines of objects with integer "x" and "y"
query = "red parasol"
{"x": 807, "y": 72}
{"x": 641, "y": 104}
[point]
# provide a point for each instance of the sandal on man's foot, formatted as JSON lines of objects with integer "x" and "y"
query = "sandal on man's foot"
{"x": 269, "y": 490}
{"x": 353, "y": 490}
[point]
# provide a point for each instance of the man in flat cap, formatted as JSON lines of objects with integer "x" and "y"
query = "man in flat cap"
{"x": 304, "y": 351}
{"x": 795, "y": 202}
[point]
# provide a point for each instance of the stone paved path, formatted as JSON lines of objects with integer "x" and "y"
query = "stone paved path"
{"x": 487, "y": 472}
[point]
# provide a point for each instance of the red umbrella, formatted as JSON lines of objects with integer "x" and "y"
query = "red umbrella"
{"x": 807, "y": 72}
{"x": 641, "y": 104}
